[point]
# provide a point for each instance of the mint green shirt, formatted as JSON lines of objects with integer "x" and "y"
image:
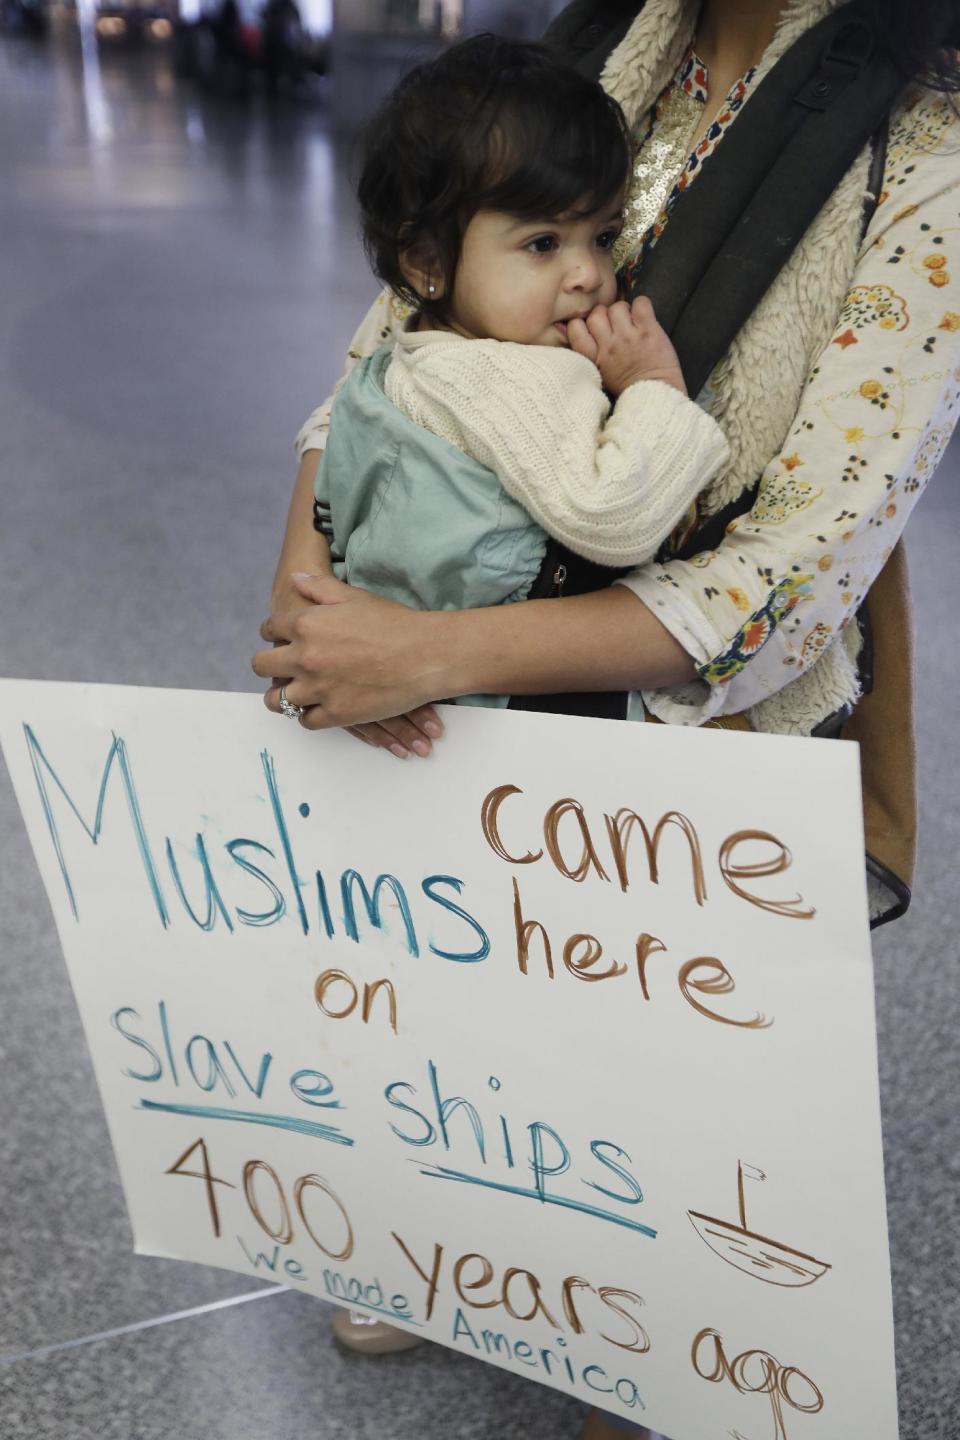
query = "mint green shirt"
{"x": 415, "y": 519}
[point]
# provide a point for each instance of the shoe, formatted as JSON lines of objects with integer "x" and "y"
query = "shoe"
{"x": 600, "y": 1427}
{"x": 358, "y": 1332}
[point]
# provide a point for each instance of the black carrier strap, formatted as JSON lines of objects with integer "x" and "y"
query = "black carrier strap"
{"x": 751, "y": 205}
{"x": 733, "y": 231}
{"x": 711, "y": 531}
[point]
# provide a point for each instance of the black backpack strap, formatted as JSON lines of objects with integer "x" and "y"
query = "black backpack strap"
{"x": 733, "y": 231}
{"x": 710, "y": 532}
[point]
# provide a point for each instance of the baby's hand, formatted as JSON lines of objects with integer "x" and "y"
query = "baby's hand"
{"x": 626, "y": 344}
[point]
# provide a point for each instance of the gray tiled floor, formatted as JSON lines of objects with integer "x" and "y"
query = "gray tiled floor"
{"x": 175, "y": 299}
{"x": 268, "y": 1369}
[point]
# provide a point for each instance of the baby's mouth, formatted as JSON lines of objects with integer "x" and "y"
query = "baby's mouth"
{"x": 562, "y": 325}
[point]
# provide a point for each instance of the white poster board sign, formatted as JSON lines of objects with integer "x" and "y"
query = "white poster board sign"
{"x": 557, "y": 1049}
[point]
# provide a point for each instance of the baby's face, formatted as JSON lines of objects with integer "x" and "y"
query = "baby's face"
{"x": 523, "y": 280}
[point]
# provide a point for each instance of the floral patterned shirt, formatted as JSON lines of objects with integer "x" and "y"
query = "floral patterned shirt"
{"x": 874, "y": 419}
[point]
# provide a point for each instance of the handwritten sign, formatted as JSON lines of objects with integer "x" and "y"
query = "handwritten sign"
{"x": 557, "y": 1049}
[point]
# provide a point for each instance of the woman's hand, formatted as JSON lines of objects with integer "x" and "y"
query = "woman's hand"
{"x": 345, "y": 655}
{"x": 402, "y": 735}
{"x": 349, "y": 657}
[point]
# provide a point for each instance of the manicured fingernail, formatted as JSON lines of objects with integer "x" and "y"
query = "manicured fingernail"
{"x": 433, "y": 728}
{"x": 421, "y": 747}
{"x": 400, "y": 752}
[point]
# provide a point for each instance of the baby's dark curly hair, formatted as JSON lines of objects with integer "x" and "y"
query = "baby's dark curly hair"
{"x": 491, "y": 124}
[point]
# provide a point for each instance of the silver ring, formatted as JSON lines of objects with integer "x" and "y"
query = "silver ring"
{"x": 287, "y": 707}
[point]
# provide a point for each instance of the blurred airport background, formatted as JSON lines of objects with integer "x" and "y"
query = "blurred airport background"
{"x": 347, "y": 52}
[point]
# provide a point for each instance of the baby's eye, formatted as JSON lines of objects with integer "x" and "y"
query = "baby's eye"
{"x": 607, "y": 238}
{"x": 542, "y": 244}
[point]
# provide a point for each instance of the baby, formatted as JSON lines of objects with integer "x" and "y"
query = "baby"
{"x": 490, "y": 197}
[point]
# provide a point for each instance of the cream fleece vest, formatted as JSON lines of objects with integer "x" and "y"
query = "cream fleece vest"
{"x": 784, "y": 335}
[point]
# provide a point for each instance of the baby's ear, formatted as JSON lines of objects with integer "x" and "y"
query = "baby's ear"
{"x": 420, "y": 267}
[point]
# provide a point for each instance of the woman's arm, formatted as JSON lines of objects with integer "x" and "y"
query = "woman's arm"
{"x": 356, "y": 657}
{"x": 304, "y": 550}
{"x": 875, "y": 416}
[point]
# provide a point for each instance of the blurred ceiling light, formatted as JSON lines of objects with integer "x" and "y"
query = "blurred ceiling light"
{"x": 451, "y": 17}
{"x": 160, "y": 29}
{"x": 443, "y": 15}
{"x": 99, "y": 120}
{"x": 317, "y": 16}
{"x": 111, "y": 25}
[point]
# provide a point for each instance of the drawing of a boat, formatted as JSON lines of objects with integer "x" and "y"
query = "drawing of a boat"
{"x": 757, "y": 1255}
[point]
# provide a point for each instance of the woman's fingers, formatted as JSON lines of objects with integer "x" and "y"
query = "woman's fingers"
{"x": 301, "y": 590}
{"x": 273, "y": 664}
{"x": 404, "y": 735}
{"x": 272, "y": 696}
{"x": 286, "y": 600}
{"x": 353, "y": 656}
{"x": 380, "y": 738}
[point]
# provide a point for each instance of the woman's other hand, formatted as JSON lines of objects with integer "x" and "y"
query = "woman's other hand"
{"x": 344, "y": 654}
{"x": 403, "y": 735}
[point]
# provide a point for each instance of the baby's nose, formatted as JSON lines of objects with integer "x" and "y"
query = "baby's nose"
{"x": 584, "y": 274}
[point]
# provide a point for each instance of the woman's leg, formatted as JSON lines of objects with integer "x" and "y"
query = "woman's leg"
{"x": 600, "y": 1425}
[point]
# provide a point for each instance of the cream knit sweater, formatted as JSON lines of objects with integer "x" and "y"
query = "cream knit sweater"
{"x": 609, "y": 483}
